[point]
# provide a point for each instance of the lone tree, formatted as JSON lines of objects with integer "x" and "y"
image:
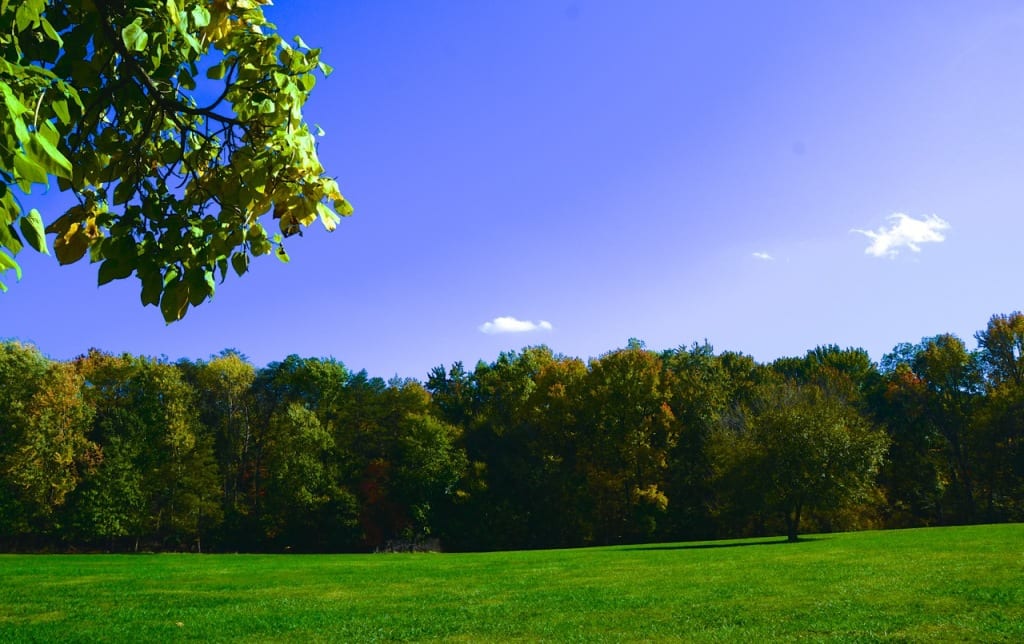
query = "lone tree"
{"x": 176, "y": 124}
{"x": 799, "y": 449}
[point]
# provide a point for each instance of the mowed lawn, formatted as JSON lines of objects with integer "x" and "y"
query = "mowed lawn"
{"x": 940, "y": 584}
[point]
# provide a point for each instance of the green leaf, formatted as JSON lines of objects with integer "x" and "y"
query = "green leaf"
{"x": 217, "y": 71}
{"x": 123, "y": 192}
{"x": 282, "y": 255}
{"x": 49, "y": 157}
{"x": 343, "y": 207}
{"x": 328, "y": 217}
{"x": 240, "y": 262}
{"x": 197, "y": 288}
{"x": 29, "y": 171}
{"x": 32, "y": 230}
{"x": 25, "y": 16}
{"x": 172, "y": 11}
{"x": 174, "y": 302}
{"x": 113, "y": 270}
{"x": 170, "y": 276}
{"x": 51, "y": 32}
{"x": 200, "y": 17}
{"x": 7, "y": 263}
{"x": 186, "y": 79}
{"x": 134, "y": 36}
{"x": 14, "y": 106}
{"x": 60, "y": 108}
{"x": 152, "y": 286}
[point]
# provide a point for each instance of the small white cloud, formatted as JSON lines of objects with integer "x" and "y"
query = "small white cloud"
{"x": 905, "y": 232}
{"x": 512, "y": 325}
{"x": 763, "y": 256}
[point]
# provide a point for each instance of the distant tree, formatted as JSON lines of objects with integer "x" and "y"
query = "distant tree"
{"x": 227, "y": 408}
{"x": 414, "y": 467}
{"x": 953, "y": 378}
{"x": 451, "y": 393}
{"x": 1001, "y": 427}
{"x": 556, "y": 415}
{"x": 44, "y": 451}
{"x": 158, "y": 481}
{"x": 703, "y": 388}
{"x": 1001, "y": 346}
{"x": 176, "y": 124}
{"x": 297, "y": 485}
{"x": 626, "y": 437}
{"x": 914, "y": 475}
{"x": 800, "y": 449}
{"x": 499, "y": 438}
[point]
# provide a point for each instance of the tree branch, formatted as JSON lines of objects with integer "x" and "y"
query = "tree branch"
{"x": 140, "y": 74}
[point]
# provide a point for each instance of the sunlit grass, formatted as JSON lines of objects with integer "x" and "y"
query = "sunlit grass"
{"x": 949, "y": 584}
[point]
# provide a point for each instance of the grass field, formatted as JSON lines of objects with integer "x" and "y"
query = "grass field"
{"x": 948, "y": 584}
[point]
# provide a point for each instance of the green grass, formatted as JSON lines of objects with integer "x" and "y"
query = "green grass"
{"x": 949, "y": 584}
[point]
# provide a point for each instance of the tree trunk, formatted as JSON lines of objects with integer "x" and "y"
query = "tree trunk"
{"x": 792, "y": 524}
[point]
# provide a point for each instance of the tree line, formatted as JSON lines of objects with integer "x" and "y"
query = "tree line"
{"x": 532, "y": 450}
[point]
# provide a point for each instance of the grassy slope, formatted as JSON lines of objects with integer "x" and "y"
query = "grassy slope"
{"x": 957, "y": 584}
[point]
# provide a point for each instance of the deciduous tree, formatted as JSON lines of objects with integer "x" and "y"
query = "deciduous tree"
{"x": 804, "y": 449}
{"x": 176, "y": 124}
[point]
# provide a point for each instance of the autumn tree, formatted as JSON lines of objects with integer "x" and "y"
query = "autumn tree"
{"x": 556, "y": 412}
{"x": 44, "y": 449}
{"x": 176, "y": 124}
{"x": 406, "y": 460}
{"x": 626, "y": 438}
{"x": 158, "y": 480}
{"x": 914, "y": 476}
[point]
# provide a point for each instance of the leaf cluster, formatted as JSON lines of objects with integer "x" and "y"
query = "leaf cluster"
{"x": 176, "y": 124}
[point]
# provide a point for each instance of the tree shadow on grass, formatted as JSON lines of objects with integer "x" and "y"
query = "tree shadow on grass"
{"x": 732, "y": 544}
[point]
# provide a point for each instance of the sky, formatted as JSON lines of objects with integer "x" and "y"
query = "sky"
{"x": 768, "y": 177}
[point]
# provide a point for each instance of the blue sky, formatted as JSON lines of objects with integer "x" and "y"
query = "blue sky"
{"x": 667, "y": 170}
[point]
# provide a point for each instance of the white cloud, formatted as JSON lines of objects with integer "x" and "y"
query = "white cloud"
{"x": 764, "y": 256}
{"x": 512, "y": 325}
{"x": 905, "y": 232}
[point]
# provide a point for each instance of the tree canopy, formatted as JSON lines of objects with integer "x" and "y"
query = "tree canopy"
{"x": 533, "y": 450}
{"x": 176, "y": 124}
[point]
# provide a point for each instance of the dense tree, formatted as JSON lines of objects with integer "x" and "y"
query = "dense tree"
{"x": 176, "y": 124}
{"x": 953, "y": 377}
{"x": 297, "y": 492}
{"x": 556, "y": 413}
{"x": 158, "y": 480}
{"x": 913, "y": 476}
{"x": 703, "y": 388}
{"x": 44, "y": 452}
{"x": 627, "y": 436}
{"x": 499, "y": 441}
{"x": 1001, "y": 345}
{"x": 801, "y": 449}
{"x": 532, "y": 450}
{"x": 227, "y": 409}
{"x": 410, "y": 464}
{"x": 1000, "y": 453}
